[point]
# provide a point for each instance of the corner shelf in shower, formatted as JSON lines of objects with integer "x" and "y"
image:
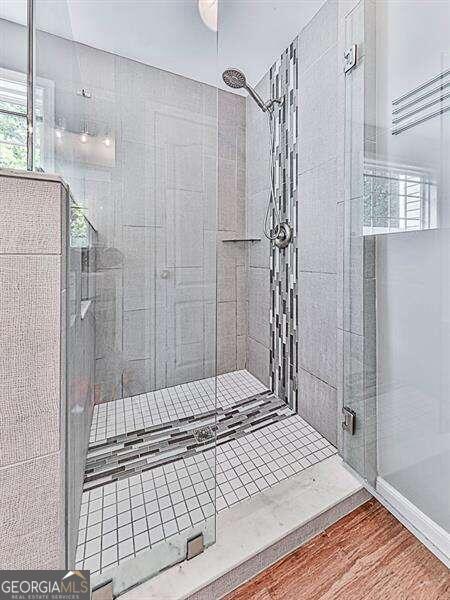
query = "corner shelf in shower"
{"x": 242, "y": 240}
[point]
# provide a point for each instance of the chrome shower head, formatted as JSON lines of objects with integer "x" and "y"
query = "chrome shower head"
{"x": 237, "y": 80}
{"x": 234, "y": 78}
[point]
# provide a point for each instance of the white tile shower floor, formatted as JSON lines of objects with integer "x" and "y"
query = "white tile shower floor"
{"x": 123, "y": 519}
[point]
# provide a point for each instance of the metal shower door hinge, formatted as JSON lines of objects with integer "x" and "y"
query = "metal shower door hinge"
{"x": 195, "y": 546}
{"x": 350, "y": 57}
{"x": 348, "y": 420}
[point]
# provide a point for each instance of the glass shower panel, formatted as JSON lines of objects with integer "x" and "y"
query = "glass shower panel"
{"x": 396, "y": 283}
{"x": 137, "y": 144}
{"x": 356, "y": 339}
{"x": 412, "y": 266}
{"x": 54, "y": 153}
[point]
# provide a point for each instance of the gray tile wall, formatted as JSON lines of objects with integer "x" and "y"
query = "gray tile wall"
{"x": 152, "y": 196}
{"x": 319, "y": 193}
{"x": 320, "y": 182}
{"x": 258, "y": 253}
{"x": 232, "y": 322}
{"x": 31, "y": 379}
{"x": 159, "y": 293}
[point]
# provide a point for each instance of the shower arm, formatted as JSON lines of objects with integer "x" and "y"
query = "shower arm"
{"x": 264, "y": 106}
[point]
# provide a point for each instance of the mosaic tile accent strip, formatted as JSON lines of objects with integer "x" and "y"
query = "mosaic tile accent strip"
{"x": 138, "y": 451}
{"x": 187, "y": 399}
{"x": 123, "y": 519}
{"x": 284, "y": 263}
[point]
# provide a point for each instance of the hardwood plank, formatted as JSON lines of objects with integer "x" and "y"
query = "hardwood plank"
{"x": 366, "y": 555}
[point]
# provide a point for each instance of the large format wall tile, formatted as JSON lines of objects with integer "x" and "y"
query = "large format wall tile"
{"x": 317, "y": 404}
{"x": 317, "y": 219}
{"x": 29, "y": 356}
{"x": 226, "y": 337}
{"x": 172, "y": 179}
{"x": 258, "y": 306}
{"x": 138, "y": 247}
{"x": 210, "y": 341}
{"x": 108, "y": 312}
{"x": 31, "y": 216}
{"x": 241, "y": 300}
{"x": 142, "y": 194}
{"x": 257, "y": 142}
{"x": 174, "y": 131}
{"x": 317, "y": 324}
{"x": 231, "y": 224}
{"x": 257, "y": 193}
{"x": 138, "y": 375}
{"x": 138, "y": 336}
{"x": 241, "y": 357}
{"x": 258, "y": 359}
{"x": 226, "y": 276}
{"x": 258, "y": 252}
{"x": 317, "y": 122}
{"x": 228, "y": 210}
{"x": 185, "y": 243}
{"x": 318, "y": 35}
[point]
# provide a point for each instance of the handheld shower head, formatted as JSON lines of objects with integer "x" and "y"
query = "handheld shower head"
{"x": 236, "y": 79}
{"x": 281, "y": 234}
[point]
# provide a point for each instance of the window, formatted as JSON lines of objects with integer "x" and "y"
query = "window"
{"x": 398, "y": 199}
{"x": 13, "y": 122}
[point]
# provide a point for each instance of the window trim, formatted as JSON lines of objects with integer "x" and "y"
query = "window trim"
{"x": 48, "y": 113}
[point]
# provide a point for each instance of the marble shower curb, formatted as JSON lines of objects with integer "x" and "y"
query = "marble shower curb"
{"x": 259, "y": 531}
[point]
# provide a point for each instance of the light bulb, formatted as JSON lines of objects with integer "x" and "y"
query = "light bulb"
{"x": 107, "y": 141}
{"x": 83, "y": 138}
{"x": 208, "y": 13}
{"x": 58, "y": 134}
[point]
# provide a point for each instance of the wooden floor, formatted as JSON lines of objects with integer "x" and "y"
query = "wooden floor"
{"x": 366, "y": 555}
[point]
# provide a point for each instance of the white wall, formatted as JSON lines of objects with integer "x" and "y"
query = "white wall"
{"x": 413, "y": 273}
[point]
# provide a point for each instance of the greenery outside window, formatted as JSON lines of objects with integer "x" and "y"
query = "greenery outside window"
{"x": 13, "y": 122}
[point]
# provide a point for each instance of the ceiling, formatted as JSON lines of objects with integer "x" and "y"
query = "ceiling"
{"x": 171, "y": 35}
{"x": 253, "y": 33}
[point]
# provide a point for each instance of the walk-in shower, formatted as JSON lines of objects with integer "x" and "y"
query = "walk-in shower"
{"x": 187, "y": 373}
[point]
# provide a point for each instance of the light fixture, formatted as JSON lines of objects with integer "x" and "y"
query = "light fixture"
{"x": 84, "y": 136}
{"x": 208, "y": 13}
{"x": 60, "y": 128}
{"x": 107, "y": 141}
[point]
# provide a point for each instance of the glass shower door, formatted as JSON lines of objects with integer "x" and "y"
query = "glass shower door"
{"x": 398, "y": 219}
{"x": 137, "y": 144}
